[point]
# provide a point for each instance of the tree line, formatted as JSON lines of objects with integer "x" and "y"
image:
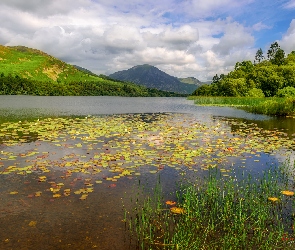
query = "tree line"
{"x": 273, "y": 75}
{"x": 15, "y": 85}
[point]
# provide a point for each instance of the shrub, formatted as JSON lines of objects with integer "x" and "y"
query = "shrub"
{"x": 286, "y": 92}
{"x": 255, "y": 93}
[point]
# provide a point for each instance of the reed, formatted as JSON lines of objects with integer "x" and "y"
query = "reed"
{"x": 268, "y": 106}
{"x": 244, "y": 213}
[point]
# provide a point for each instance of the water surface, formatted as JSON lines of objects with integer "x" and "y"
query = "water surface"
{"x": 114, "y": 147}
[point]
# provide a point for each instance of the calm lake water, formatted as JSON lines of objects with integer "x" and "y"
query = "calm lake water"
{"x": 71, "y": 165}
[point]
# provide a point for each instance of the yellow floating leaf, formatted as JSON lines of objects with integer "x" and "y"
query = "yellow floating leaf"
{"x": 56, "y": 195}
{"x": 288, "y": 193}
{"x": 13, "y": 192}
{"x": 33, "y": 223}
{"x": 273, "y": 199}
{"x": 54, "y": 190}
{"x": 170, "y": 203}
{"x": 89, "y": 190}
{"x": 83, "y": 197}
{"x": 177, "y": 210}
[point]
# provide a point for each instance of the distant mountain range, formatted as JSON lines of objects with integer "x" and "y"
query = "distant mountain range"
{"x": 151, "y": 77}
{"x": 30, "y": 71}
{"x": 35, "y": 65}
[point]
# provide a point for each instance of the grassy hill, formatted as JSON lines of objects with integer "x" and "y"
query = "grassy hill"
{"x": 36, "y": 65}
{"x": 29, "y": 71}
{"x": 192, "y": 80}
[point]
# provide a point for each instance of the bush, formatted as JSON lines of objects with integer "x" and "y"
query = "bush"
{"x": 255, "y": 93}
{"x": 286, "y": 92}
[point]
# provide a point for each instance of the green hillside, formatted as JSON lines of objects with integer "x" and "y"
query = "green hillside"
{"x": 27, "y": 71}
{"x": 36, "y": 65}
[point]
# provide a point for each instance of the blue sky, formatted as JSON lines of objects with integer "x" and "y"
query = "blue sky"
{"x": 197, "y": 38}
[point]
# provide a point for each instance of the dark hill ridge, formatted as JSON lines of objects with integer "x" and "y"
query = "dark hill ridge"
{"x": 152, "y": 77}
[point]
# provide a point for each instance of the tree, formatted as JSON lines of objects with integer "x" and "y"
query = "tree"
{"x": 259, "y": 57}
{"x": 204, "y": 90}
{"x": 245, "y": 66}
{"x": 275, "y": 54}
{"x": 215, "y": 78}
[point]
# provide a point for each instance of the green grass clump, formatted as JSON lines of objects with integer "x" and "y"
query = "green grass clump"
{"x": 219, "y": 214}
{"x": 227, "y": 101}
{"x": 274, "y": 106}
{"x": 259, "y": 105}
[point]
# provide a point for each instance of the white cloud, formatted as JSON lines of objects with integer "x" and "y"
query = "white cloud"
{"x": 235, "y": 37}
{"x": 182, "y": 38}
{"x": 288, "y": 40}
{"x": 260, "y": 26}
{"x": 290, "y": 4}
{"x": 210, "y": 8}
{"x": 118, "y": 38}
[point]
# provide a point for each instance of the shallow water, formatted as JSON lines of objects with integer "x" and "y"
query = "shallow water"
{"x": 125, "y": 145}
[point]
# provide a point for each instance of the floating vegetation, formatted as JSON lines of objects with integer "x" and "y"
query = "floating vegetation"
{"x": 93, "y": 150}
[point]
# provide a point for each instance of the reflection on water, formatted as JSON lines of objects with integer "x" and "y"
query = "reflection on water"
{"x": 64, "y": 180}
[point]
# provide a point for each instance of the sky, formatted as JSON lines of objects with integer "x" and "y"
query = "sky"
{"x": 184, "y": 38}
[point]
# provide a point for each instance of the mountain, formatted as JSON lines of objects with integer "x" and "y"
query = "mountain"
{"x": 152, "y": 77}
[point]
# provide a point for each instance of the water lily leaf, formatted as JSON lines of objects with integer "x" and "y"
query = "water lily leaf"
{"x": 288, "y": 193}
{"x": 38, "y": 194}
{"x": 177, "y": 210}
{"x": 83, "y": 197}
{"x": 33, "y": 223}
{"x": 273, "y": 199}
{"x": 171, "y": 203}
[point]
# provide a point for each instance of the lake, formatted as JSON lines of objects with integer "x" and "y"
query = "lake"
{"x": 70, "y": 166}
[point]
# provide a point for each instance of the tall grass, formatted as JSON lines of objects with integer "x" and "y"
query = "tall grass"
{"x": 268, "y": 106}
{"x": 226, "y": 101}
{"x": 218, "y": 214}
